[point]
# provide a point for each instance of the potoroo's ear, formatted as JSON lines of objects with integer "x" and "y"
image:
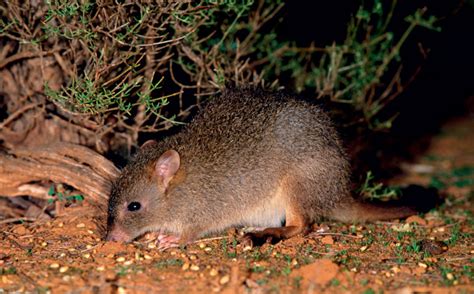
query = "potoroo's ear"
{"x": 148, "y": 144}
{"x": 166, "y": 167}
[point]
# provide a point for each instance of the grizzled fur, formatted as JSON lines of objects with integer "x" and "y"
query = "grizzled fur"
{"x": 245, "y": 159}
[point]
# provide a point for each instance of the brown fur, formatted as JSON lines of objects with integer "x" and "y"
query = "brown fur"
{"x": 250, "y": 158}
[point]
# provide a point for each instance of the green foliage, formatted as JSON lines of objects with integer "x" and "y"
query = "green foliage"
{"x": 59, "y": 194}
{"x": 371, "y": 190}
{"x": 124, "y": 64}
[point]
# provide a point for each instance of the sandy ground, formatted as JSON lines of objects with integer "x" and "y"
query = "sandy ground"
{"x": 433, "y": 253}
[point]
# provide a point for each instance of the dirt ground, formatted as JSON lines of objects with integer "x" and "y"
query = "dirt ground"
{"x": 433, "y": 253}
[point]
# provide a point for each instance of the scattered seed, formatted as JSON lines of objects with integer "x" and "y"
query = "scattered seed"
{"x": 208, "y": 249}
{"x": 202, "y": 245}
{"x": 61, "y": 225}
{"x": 193, "y": 257}
{"x": 44, "y": 244}
{"x": 363, "y": 248}
{"x": 120, "y": 259}
{"x": 62, "y": 254}
{"x": 67, "y": 278}
{"x": 81, "y": 225}
{"x": 54, "y": 265}
{"x": 90, "y": 232}
{"x": 121, "y": 290}
{"x": 87, "y": 255}
{"x": 101, "y": 268}
{"x": 88, "y": 246}
{"x": 128, "y": 262}
{"x": 147, "y": 257}
{"x": 449, "y": 276}
{"x": 224, "y": 280}
{"x": 151, "y": 245}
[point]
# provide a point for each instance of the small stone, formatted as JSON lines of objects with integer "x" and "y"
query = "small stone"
{"x": 224, "y": 280}
{"x": 185, "y": 266}
{"x": 247, "y": 248}
{"x": 63, "y": 269}
{"x": 81, "y": 225}
{"x": 328, "y": 240}
{"x": 120, "y": 259}
{"x": 194, "y": 268}
{"x": 54, "y": 265}
{"x": 213, "y": 272}
{"x": 433, "y": 247}
{"x": 423, "y": 265}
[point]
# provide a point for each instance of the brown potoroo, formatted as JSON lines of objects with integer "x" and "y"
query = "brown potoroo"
{"x": 250, "y": 158}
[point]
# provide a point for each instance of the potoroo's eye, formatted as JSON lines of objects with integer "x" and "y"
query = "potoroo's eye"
{"x": 134, "y": 206}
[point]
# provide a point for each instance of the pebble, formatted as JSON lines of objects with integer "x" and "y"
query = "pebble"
{"x": 63, "y": 269}
{"x": 423, "y": 265}
{"x": 185, "y": 266}
{"x": 213, "y": 272}
{"x": 224, "y": 280}
{"x": 194, "y": 268}
{"x": 247, "y": 248}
